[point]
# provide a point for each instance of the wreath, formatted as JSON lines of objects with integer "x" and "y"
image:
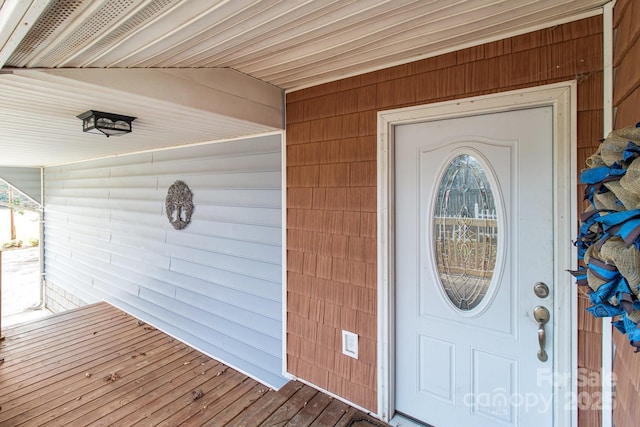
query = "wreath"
{"x": 609, "y": 237}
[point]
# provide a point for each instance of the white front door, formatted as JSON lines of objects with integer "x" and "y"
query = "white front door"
{"x": 474, "y": 235}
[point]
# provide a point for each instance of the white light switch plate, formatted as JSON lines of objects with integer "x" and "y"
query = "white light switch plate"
{"x": 350, "y": 344}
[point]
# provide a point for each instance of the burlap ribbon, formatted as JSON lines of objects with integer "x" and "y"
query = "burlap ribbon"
{"x": 609, "y": 237}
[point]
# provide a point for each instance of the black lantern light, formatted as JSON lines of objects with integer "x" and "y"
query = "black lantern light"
{"x": 108, "y": 124}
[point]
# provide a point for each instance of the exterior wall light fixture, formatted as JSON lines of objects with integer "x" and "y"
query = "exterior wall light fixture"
{"x": 108, "y": 124}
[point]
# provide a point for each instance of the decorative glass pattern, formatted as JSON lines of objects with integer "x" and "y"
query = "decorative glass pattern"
{"x": 465, "y": 232}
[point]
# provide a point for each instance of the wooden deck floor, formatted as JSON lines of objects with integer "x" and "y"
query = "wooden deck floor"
{"x": 98, "y": 366}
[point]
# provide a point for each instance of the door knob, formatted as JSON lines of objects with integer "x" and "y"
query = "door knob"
{"x": 541, "y": 316}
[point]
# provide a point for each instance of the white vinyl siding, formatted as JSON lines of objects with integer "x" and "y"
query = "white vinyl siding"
{"x": 217, "y": 284}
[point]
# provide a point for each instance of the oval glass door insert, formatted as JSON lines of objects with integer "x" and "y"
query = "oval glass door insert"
{"x": 465, "y": 232}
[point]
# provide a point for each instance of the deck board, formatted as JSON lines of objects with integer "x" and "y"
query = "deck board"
{"x": 268, "y": 404}
{"x": 290, "y": 408}
{"x": 230, "y": 410}
{"x": 114, "y": 393}
{"x": 310, "y": 410}
{"x": 54, "y": 373}
{"x": 97, "y": 366}
{"x": 331, "y": 415}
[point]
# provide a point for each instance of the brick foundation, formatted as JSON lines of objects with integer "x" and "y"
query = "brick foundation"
{"x": 58, "y": 299}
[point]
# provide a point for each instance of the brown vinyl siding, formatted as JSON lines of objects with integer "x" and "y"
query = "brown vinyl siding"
{"x": 626, "y": 102}
{"x": 626, "y": 63}
{"x": 331, "y": 188}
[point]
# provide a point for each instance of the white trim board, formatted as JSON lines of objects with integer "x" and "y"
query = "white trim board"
{"x": 562, "y": 97}
{"x": 607, "y": 96}
{"x": 285, "y": 283}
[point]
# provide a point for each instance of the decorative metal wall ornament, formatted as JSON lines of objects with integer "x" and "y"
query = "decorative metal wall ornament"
{"x": 179, "y": 205}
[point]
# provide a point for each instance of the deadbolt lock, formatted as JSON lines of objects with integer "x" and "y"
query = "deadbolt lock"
{"x": 541, "y": 290}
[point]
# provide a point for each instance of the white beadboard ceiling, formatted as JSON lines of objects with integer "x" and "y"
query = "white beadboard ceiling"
{"x": 288, "y": 44}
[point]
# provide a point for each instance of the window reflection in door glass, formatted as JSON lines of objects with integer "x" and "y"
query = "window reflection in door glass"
{"x": 465, "y": 232}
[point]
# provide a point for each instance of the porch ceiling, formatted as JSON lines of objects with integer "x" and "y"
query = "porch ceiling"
{"x": 290, "y": 44}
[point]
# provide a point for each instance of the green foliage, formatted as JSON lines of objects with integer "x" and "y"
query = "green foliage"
{"x": 12, "y": 244}
{"x": 33, "y": 241}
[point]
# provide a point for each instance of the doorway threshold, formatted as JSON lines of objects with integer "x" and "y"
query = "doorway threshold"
{"x": 402, "y": 421}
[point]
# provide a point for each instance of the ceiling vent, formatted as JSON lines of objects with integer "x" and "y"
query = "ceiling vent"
{"x": 72, "y": 29}
{"x": 50, "y": 22}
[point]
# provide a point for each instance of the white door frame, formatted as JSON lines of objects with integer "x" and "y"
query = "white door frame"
{"x": 562, "y": 97}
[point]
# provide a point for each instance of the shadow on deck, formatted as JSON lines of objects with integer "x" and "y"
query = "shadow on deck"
{"x": 99, "y": 366}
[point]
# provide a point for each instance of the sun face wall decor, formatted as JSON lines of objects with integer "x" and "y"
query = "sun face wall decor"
{"x": 179, "y": 205}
